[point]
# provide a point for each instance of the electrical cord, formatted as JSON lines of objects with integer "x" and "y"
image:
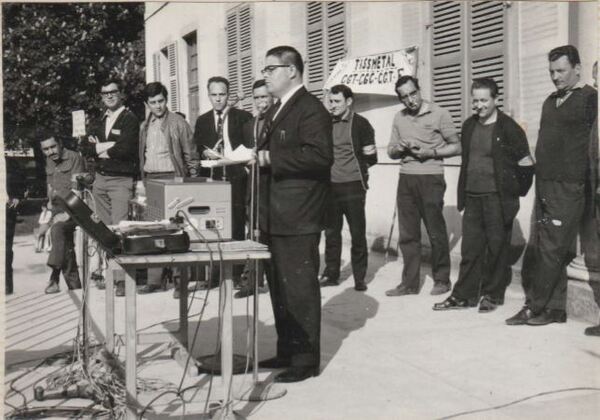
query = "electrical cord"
{"x": 520, "y": 400}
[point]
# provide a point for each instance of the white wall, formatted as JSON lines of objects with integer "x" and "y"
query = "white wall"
{"x": 533, "y": 28}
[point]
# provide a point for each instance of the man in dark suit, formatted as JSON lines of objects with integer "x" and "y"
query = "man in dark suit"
{"x": 113, "y": 144}
{"x": 298, "y": 151}
{"x": 220, "y": 130}
{"x": 253, "y": 129}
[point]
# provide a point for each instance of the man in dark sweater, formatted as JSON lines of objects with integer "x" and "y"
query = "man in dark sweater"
{"x": 113, "y": 144}
{"x": 496, "y": 168}
{"x": 562, "y": 160}
{"x": 354, "y": 152}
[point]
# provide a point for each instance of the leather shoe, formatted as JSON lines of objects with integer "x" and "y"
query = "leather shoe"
{"x": 248, "y": 291}
{"x": 150, "y": 288}
{"x": 548, "y": 316}
{"x": 439, "y": 288}
{"x": 360, "y": 286}
{"x": 326, "y": 281}
{"x": 274, "y": 363}
{"x": 452, "y": 302}
{"x": 296, "y": 374}
{"x": 401, "y": 291}
{"x": 594, "y": 331}
{"x": 521, "y": 317}
{"x": 52, "y": 288}
{"x": 487, "y": 304}
{"x": 120, "y": 289}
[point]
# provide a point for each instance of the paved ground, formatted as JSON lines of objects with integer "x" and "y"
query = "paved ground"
{"x": 383, "y": 358}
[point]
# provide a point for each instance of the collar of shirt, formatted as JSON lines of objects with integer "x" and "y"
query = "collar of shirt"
{"x": 346, "y": 117}
{"x": 114, "y": 114}
{"x": 287, "y": 97}
{"x": 158, "y": 120}
{"x": 563, "y": 93}
{"x": 425, "y": 108}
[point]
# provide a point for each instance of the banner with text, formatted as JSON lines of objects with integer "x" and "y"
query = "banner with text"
{"x": 374, "y": 74}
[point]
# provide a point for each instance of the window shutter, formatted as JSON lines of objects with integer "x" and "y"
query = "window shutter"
{"x": 315, "y": 47}
{"x": 336, "y": 33}
{"x": 326, "y": 41}
{"x": 156, "y": 66}
{"x": 447, "y": 61}
{"x": 173, "y": 79}
{"x": 232, "y": 50}
{"x": 246, "y": 71}
{"x": 239, "y": 54}
{"x": 487, "y": 42}
{"x": 480, "y": 51}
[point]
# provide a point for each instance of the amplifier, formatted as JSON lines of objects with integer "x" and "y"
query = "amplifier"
{"x": 206, "y": 203}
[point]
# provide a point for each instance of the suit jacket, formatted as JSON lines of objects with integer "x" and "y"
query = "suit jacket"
{"x": 509, "y": 146}
{"x": 205, "y": 135}
{"x": 123, "y": 156}
{"x": 182, "y": 148}
{"x": 301, "y": 150}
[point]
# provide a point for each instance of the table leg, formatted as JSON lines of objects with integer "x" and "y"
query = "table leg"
{"x": 131, "y": 344}
{"x": 183, "y": 307}
{"x": 110, "y": 308}
{"x": 227, "y": 339}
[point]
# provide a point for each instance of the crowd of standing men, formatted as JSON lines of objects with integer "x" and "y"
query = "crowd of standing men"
{"x": 313, "y": 171}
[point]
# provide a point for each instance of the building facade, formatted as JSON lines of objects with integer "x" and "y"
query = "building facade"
{"x": 186, "y": 43}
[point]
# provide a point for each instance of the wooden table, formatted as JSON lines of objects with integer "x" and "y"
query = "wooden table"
{"x": 232, "y": 254}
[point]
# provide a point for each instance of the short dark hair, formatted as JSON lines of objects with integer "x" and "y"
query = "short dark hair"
{"x": 568, "y": 51}
{"x": 258, "y": 83}
{"x": 343, "y": 89}
{"x": 111, "y": 80}
{"x": 288, "y": 55}
{"x": 218, "y": 79}
{"x": 402, "y": 80}
{"x": 153, "y": 89}
{"x": 486, "y": 83}
{"x": 43, "y": 134}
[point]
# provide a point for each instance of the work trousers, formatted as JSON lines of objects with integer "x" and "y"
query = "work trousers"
{"x": 62, "y": 254}
{"x": 111, "y": 196}
{"x": 559, "y": 208}
{"x": 421, "y": 197}
{"x": 485, "y": 265}
{"x": 347, "y": 199}
{"x": 296, "y": 298}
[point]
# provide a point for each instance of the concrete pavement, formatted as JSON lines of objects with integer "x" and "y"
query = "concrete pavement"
{"x": 382, "y": 357}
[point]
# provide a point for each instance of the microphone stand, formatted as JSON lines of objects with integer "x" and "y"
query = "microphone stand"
{"x": 260, "y": 390}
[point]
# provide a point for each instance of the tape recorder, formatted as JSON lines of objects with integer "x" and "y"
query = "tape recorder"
{"x": 206, "y": 203}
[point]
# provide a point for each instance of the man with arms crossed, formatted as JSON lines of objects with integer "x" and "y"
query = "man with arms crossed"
{"x": 299, "y": 154}
{"x": 113, "y": 144}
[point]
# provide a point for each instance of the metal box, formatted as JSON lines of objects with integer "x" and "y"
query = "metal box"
{"x": 206, "y": 203}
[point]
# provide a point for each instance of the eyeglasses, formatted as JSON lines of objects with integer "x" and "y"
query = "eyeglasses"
{"x": 412, "y": 94}
{"x": 109, "y": 93}
{"x": 270, "y": 69}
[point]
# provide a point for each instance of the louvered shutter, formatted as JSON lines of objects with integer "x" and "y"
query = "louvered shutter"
{"x": 336, "y": 34}
{"x": 239, "y": 54}
{"x": 232, "y": 50}
{"x": 173, "y": 79}
{"x": 315, "y": 48}
{"x": 447, "y": 60}
{"x": 246, "y": 71}
{"x": 325, "y": 42}
{"x": 156, "y": 66}
{"x": 487, "y": 20}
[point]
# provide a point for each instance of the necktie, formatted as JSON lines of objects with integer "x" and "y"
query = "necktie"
{"x": 263, "y": 143}
{"x": 219, "y": 145}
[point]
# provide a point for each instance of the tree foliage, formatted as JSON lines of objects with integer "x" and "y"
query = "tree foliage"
{"x": 56, "y": 55}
